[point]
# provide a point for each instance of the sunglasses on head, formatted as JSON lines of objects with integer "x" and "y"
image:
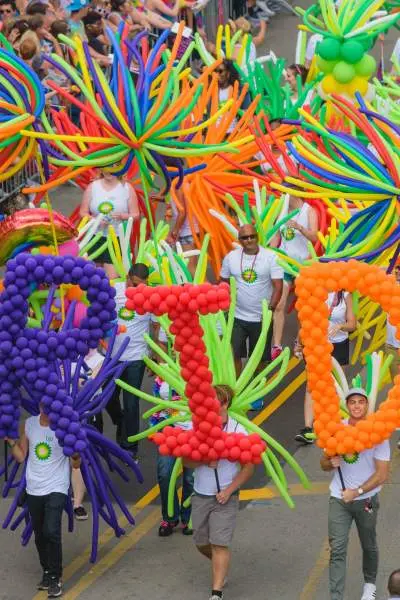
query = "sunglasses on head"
{"x": 248, "y": 237}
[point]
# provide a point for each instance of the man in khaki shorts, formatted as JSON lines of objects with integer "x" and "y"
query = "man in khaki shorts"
{"x": 214, "y": 512}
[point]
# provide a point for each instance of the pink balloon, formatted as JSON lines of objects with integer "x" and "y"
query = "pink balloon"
{"x": 70, "y": 247}
{"x": 80, "y": 313}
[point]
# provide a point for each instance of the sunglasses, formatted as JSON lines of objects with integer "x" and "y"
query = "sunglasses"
{"x": 248, "y": 237}
{"x": 5, "y": 10}
{"x": 219, "y": 71}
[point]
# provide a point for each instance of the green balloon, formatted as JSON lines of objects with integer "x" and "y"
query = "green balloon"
{"x": 329, "y": 49}
{"x": 366, "y": 67}
{"x": 326, "y": 66}
{"x": 352, "y": 52}
{"x": 343, "y": 72}
{"x": 367, "y": 42}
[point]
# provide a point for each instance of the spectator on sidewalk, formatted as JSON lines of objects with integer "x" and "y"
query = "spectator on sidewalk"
{"x": 258, "y": 277}
{"x": 8, "y": 10}
{"x": 358, "y": 501}
{"x": 214, "y": 512}
{"x": 47, "y": 485}
{"x": 394, "y": 585}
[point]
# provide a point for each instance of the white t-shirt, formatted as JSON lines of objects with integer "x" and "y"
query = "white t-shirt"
{"x": 136, "y": 326}
{"x": 354, "y": 475}
{"x": 204, "y": 477}
{"x": 254, "y": 275}
{"x": 109, "y": 202}
{"x": 48, "y": 468}
{"x": 293, "y": 242}
{"x": 391, "y": 338}
{"x": 337, "y": 316}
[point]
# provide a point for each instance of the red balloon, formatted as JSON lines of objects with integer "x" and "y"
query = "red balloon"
{"x": 196, "y": 456}
{"x": 246, "y": 457}
{"x": 234, "y": 453}
{"x": 163, "y": 449}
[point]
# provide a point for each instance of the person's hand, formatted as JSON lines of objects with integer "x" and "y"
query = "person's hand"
{"x": 292, "y": 224}
{"x": 335, "y": 462}
{"x": 349, "y": 495}
{"x": 334, "y": 330}
{"x": 76, "y": 461}
{"x": 171, "y": 239}
{"x": 223, "y": 496}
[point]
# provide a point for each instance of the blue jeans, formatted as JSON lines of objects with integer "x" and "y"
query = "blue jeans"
{"x": 165, "y": 464}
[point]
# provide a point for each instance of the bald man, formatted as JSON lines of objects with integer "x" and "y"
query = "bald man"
{"x": 394, "y": 585}
{"x": 258, "y": 277}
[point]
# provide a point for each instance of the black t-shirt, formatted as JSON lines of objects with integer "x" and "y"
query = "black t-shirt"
{"x": 97, "y": 45}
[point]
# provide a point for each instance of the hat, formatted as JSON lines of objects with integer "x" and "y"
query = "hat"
{"x": 359, "y": 391}
{"x": 77, "y": 5}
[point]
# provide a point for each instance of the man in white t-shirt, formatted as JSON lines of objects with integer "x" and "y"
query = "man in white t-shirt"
{"x": 258, "y": 276}
{"x": 354, "y": 496}
{"x": 136, "y": 326}
{"x": 47, "y": 485}
{"x": 215, "y": 503}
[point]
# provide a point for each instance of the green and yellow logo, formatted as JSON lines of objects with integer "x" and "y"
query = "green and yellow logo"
{"x": 125, "y": 314}
{"x": 105, "y": 207}
{"x": 43, "y": 451}
{"x": 288, "y": 233}
{"x": 249, "y": 276}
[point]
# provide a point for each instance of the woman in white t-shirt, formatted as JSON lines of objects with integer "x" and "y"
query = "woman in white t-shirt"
{"x": 342, "y": 321}
{"x": 294, "y": 238}
{"x": 392, "y": 344}
{"x": 116, "y": 200}
{"x": 181, "y": 230}
{"x": 291, "y": 75}
{"x": 227, "y": 76}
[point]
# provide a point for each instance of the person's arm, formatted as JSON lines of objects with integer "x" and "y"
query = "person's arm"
{"x": 75, "y": 461}
{"x": 328, "y": 463}
{"x": 133, "y": 206}
{"x": 19, "y": 448}
{"x": 244, "y": 475}
{"x": 181, "y": 216}
{"x": 84, "y": 208}
{"x": 310, "y": 233}
{"x": 277, "y": 287}
{"x": 160, "y": 6}
{"x": 225, "y": 272}
{"x": 260, "y": 37}
{"x": 379, "y": 477}
{"x": 104, "y": 61}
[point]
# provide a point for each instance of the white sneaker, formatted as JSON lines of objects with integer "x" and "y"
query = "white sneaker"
{"x": 369, "y": 591}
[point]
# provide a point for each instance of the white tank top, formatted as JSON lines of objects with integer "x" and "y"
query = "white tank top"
{"x": 185, "y": 230}
{"x": 337, "y": 316}
{"x": 48, "y": 469}
{"x": 107, "y": 202}
{"x": 293, "y": 242}
{"x": 391, "y": 338}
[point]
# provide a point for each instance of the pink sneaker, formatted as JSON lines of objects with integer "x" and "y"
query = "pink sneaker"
{"x": 275, "y": 352}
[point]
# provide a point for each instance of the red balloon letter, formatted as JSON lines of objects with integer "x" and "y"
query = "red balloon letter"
{"x": 206, "y": 441}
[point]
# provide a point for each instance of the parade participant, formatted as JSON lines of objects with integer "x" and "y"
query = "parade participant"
{"x": 258, "y": 277}
{"x": 291, "y": 75}
{"x": 117, "y": 201}
{"x": 47, "y": 485}
{"x": 295, "y": 236}
{"x": 215, "y": 503}
{"x": 342, "y": 321}
{"x": 180, "y": 230}
{"x": 128, "y": 420}
{"x": 392, "y": 344}
{"x": 355, "y": 497}
{"x": 394, "y": 585}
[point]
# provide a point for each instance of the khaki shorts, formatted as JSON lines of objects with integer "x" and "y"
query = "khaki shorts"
{"x": 214, "y": 523}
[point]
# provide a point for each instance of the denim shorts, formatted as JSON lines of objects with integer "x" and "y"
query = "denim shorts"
{"x": 186, "y": 240}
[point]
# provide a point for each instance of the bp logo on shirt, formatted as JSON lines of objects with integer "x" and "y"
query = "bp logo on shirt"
{"x": 288, "y": 233}
{"x": 249, "y": 276}
{"x": 105, "y": 207}
{"x": 125, "y": 314}
{"x": 43, "y": 451}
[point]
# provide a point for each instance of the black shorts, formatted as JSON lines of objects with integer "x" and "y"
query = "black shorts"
{"x": 247, "y": 330}
{"x": 341, "y": 351}
{"x": 105, "y": 257}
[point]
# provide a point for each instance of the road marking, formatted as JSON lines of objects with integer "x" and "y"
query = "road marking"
{"x": 280, "y": 399}
{"x": 79, "y": 562}
{"x": 104, "y": 564}
{"x": 314, "y": 578}
{"x": 296, "y": 489}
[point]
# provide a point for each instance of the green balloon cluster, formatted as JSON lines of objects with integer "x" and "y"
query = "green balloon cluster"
{"x": 345, "y": 61}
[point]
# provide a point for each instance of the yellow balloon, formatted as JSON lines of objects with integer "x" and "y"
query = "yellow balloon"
{"x": 359, "y": 84}
{"x": 329, "y": 84}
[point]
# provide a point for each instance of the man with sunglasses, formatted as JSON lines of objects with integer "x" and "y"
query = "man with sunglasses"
{"x": 8, "y": 10}
{"x": 354, "y": 497}
{"x": 258, "y": 277}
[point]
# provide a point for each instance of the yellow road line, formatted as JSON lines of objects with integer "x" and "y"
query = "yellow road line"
{"x": 296, "y": 489}
{"x": 314, "y": 578}
{"x": 79, "y": 562}
{"x": 103, "y": 565}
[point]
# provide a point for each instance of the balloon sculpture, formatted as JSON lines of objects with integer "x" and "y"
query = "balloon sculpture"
{"x": 39, "y": 361}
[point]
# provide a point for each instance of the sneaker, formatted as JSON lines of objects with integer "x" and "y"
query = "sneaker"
{"x": 80, "y": 513}
{"x": 369, "y": 591}
{"x": 44, "y": 583}
{"x": 275, "y": 352}
{"x": 186, "y": 530}
{"x": 167, "y": 528}
{"x": 215, "y": 597}
{"x": 55, "y": 589}
{"x": 305, "y": 436}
